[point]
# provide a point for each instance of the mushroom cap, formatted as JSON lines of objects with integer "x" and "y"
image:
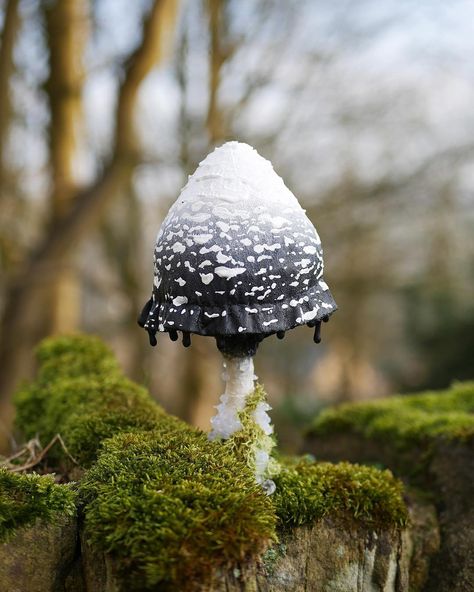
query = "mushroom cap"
{"x": 236, "y": 254}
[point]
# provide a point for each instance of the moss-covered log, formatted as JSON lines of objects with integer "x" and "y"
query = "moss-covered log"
{"x": 163, "y": 508}
{"x": 328, "y": 556}
{"x": 428, "y": 439}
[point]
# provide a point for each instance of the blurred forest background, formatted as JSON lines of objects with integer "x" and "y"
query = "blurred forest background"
{"x": 365, "y": 109}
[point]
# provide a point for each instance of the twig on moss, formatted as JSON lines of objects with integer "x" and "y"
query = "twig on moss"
{"x": 35, "y": 457}
{"x": 33, "y": 447}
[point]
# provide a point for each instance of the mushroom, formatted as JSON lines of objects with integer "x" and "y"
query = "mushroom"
{"x": 236, "y": 258}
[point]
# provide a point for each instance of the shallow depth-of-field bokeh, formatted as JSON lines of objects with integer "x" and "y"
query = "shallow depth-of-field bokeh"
{"x": 365, "y": 110}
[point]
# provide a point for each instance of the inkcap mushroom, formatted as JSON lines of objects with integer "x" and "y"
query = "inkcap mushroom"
{"x": 236, "y": 258}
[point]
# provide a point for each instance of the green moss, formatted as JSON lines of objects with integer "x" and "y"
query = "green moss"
{"x": 74, "y": 356}
{"x": 80, "y": 394}
{"x": 308, "y": 491}
{"x": 159, "y": 498}
{"x": 117, "y": 406}
{"x": 171, "y": 506}
{"x": 29, "y": 404}
{"x": 86, "y": 411}
{"x": 406, "y": 420}
{"x": 26, "y": 498}
{"x": 60, "y": 358}
{"x": 251, "y": 441}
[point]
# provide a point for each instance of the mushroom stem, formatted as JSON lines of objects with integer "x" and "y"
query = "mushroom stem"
{"x": 239, "y": 380}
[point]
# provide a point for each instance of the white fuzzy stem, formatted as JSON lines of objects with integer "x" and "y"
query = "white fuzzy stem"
{"x": 239, "y": 380}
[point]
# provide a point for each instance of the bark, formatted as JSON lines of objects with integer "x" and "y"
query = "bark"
{"x": 66, "y": 27}
{"x": 9, "y": 33}
{"x": 215, "y": 122}
{"x": 326, "y": 556}
{"x": 220, "y": 51}
{"x": 87, "y": 205}
{"x": 42, "y": 558}
{"x": 329, "y": 555}
{"x": 9, "y": 198}
{"x": 445, "y": 473}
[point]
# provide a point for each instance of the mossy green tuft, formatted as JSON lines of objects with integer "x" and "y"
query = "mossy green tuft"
{"x": 405, "y": 420}
{"x": 27, "y": 498}
{"x": 307, "y": 491}
{"x": 74, "y": 356}
{"x": 171, "y": 507}
{"x": 60, "y": 358}
{"x": 84, "y": 409}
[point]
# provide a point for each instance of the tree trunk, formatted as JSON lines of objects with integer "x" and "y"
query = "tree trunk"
{"x": 10, "y": 30}
{"x": 215, "y": 122}
{"x": 66, "y": 27}
{"x": 20, "y": 327}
